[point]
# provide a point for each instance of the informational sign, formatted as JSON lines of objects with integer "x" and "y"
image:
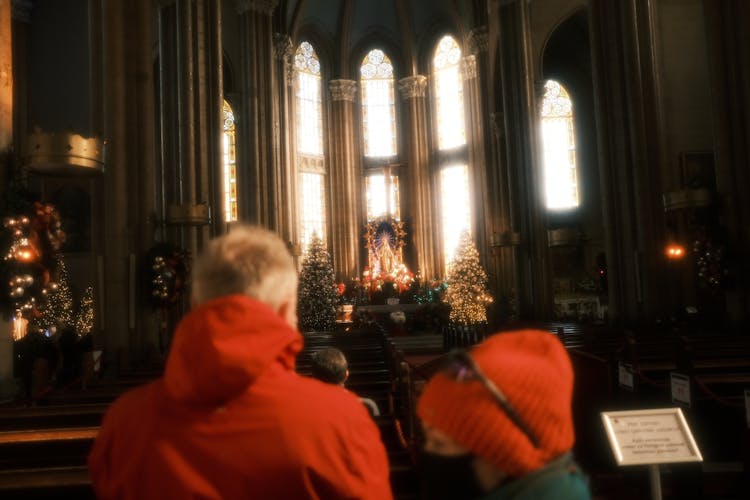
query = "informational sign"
{"x": 625, "y": 376}
{"x": 650, "y": 437}
{"x": 747, "y": 407}
{"x": 680, "y": 388}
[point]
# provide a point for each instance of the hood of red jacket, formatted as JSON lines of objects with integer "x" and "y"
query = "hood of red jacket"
{"x": 221, "y": 347}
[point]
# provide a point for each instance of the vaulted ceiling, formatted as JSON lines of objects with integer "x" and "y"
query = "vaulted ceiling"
{"x": 347, "y": 28}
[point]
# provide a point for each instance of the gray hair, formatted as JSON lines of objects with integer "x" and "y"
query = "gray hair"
{"x": 249, "y": 260}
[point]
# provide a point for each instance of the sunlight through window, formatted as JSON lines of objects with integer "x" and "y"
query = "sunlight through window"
{"x": 309, "y": 139}
{"x": 229, "y": 164}
{"x": 378, "y": 105}
{"x": 312, "y": 207}
{"x": 381, "y": 192}
{"x": 449, "y": 98}
{"x": 309, "y": 101}
{"x": 455, "y": 198}
{"x": 455, "y": 207}
{"x": 558, "y": 139}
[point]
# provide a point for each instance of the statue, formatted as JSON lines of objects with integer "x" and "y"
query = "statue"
{"x": 386, "y": 256}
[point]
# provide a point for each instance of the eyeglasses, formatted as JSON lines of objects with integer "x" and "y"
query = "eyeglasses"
{"x": 461, "y": 367}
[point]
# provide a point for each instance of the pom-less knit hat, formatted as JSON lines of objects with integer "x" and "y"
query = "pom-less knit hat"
{"x": 533, "y": 370}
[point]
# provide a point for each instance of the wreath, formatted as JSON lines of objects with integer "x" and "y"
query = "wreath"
{"x": 167, "y": 268}
{"x": 30, "y": 244}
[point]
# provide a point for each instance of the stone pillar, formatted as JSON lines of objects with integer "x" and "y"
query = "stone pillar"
{"x": 344, "y": 186}
{"x": 257, "y": 175}
{"x": 627, "y": 118}
{"x": 283, "y": 120}
{"x": 505, "y": 236}
{"x": 728, "y": 29}
{"x": 191, "y": 98}
{"x": 516, "y": 68}
{"x": 117, "y": 236}
{"x": 6, "y": 78}
{"x": 421, "y": 209}
{"x": 475, "y": 128}
{"x": 8, "y": 386}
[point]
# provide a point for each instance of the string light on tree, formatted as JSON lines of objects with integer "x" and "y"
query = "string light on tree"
{"x": 59, "y": 309}
{"x": 19, "y": 267}
{"x": 85, "y": 316}
{"x": 467, "y": 293}
{"x": 317, "y": 291}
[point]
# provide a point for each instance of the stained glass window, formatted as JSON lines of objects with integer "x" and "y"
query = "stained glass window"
{"x": 230, "y": 166}
{"x": 378, "y": 105}
{"x": 309, "y": 101}
{"x": 455, "y": 206}
{"x": 381, "y": 191}
{"x": 448, "y": 101}
{"x": 558, "y": 139}
{"x": 309, "y": 138}
{"x": 312, "y": 207}
{"x": 449, "y": 94}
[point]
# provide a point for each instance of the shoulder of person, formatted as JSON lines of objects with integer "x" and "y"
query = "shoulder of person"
{"x": 562, "y": 479}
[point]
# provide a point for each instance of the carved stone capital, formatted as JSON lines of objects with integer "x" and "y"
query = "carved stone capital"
{"x": 469, "y": 67}
{"x": 342, "y": 90}
{"x": 282, "y": 47}
{"x": 21, "y": 10}
{"x": 412, "y": 86}
{"x": 478, "y": 40}
{"x": 262, "y": 6}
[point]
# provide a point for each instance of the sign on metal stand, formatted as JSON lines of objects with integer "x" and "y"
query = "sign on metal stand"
{"x": 651, "y": 437}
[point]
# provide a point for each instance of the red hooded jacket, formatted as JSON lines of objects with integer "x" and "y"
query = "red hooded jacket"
{"x": 231, "y": 419}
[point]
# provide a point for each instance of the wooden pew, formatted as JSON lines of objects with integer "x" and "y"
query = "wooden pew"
{"x": 41, "y": 417}
{"x": 46, "y": 463}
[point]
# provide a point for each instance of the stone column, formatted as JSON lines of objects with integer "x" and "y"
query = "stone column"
{"x": 728, "y": 28}
{"x": 7, "y": 385}
{"x": 6, "y": 79}
{"x": 20, "y": 25}
{"x": 534, "y": 284}
{"x": 475, "y": 128}
{"x": 257, "y": 175}
{"x": 505, "y": 236}
{"x": 191, "y": 98}
{"x": 344, "y": 186}
{"x": 627, "y": 117}
{"x": 421, "y": 209}
{"x": 128, "y": 126}
{"x": 283, "y": 120}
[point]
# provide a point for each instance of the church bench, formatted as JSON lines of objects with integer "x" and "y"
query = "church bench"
{"x": 46, "y": 483}
{"x": 40, "y": 417}
{"x": 305, "y": 365}
{"x": 55, "y": 447}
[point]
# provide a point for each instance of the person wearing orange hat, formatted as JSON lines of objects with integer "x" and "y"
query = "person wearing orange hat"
{"x": 498, "y": 423}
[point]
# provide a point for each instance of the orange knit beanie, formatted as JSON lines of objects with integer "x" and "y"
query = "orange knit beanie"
{"x": 533, "y": 369}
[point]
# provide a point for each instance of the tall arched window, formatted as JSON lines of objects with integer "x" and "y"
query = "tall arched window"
{"x": 379, "y": 135}
{"x": 558, "y": 140}
{"x": 309, "y": 138}
{"x": 230, "y": 166}
{"x": 455, "y": 199}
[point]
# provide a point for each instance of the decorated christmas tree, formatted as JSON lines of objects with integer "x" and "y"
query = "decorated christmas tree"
{"x": 467, "y": 293}
{"x": 85, "y": 316}
{"x": 317, "y": 289}
{"x": 59, "y": 308}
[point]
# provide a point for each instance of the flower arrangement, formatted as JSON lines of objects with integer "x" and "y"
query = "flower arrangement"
{"x": 398, "y": 279}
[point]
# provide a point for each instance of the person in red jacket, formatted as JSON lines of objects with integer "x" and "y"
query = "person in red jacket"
{"x": 230, "y": 418}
